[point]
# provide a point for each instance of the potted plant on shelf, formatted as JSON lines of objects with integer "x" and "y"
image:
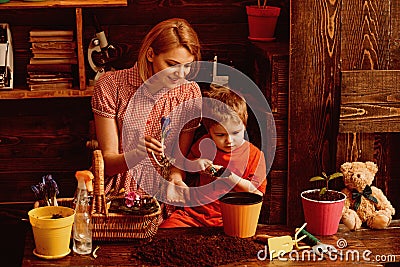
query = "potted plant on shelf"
{"x": 262, "y": 21}
{"x": 323, "y": 207}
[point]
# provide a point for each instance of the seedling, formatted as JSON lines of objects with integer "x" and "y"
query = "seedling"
{"x": 165, "y": 163}
{"x": 326, "y": 178}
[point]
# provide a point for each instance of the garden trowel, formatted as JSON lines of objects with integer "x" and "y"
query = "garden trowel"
{"x": 280, "y": 245}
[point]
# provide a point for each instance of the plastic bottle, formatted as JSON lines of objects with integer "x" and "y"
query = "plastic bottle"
{"x": 82, "y": 229}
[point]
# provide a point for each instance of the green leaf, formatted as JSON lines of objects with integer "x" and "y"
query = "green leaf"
{"x": 322, "y": 191}
{"x": 324, "y": 175}
{"x": 317, "y": 178}
{"x": 335, "y": 175}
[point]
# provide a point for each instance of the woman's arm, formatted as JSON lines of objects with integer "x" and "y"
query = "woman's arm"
{"x": 107, "y": 136}
{"x": 185, "y": 141}
{"x": 178, "y": 191}
{"x": 114, "y": 161}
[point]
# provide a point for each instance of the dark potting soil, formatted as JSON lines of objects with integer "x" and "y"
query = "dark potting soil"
{"x": 328, "y": 196}
{"x": 57, "y": 216}
{"x": 207, "y": 250}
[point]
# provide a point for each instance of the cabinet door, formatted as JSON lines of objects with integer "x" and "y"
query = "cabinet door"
{"x": 271, "y": 74}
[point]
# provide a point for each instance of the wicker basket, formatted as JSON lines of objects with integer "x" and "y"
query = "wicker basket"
{"x": 114, "y": 226}
{"x": 120, "y": 227}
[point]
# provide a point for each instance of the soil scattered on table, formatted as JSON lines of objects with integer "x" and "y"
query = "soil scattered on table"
{"x": 212, "y": 249}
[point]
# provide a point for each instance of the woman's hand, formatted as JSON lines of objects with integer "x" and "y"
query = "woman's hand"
{"x": 146, "y": 146}
{"x": 152, "y": 145}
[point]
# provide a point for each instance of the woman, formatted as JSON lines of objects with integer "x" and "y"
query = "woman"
{"x": 128, "y": 106}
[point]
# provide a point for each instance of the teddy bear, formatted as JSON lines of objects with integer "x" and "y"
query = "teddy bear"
{"x": 364, "y": 203}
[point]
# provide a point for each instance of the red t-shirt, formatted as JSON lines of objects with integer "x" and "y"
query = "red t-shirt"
{"x": 247, "y": 161}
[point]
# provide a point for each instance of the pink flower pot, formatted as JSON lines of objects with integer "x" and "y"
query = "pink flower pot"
{"x": 322, "y": 217}
{"x": 262, "y": 22}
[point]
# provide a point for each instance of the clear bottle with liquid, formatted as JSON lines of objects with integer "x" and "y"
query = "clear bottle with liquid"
{"x": 82, "y": 228}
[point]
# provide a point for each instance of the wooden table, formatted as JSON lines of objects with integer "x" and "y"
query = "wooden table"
{"x": 378, "y": 247}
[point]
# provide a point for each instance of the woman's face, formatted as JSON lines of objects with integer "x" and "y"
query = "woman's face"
{"x": 174, "y": 64}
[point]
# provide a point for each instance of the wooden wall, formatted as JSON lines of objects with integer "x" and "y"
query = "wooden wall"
{"x": 313, "y": 96}
{"x": 370, "y": 70}
{"x": 331, "y": 40}
{"x": 41, "y": 137}
{"x": 48, "y": 135}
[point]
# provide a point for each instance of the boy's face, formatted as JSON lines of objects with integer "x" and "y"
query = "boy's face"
{"x": 229, "y": 136}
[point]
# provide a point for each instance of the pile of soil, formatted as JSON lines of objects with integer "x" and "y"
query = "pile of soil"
{"x": 329, "y": 195}
{"x": 207, "y": 250}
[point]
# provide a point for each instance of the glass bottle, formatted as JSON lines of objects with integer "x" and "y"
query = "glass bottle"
{"x": 82, "y": 228}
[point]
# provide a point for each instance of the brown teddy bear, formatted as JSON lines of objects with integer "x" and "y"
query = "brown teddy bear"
{"x": 364, "y": 203}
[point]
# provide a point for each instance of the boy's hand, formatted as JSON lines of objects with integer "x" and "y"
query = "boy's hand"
{"x": 213, "y": 169}
{"x": 203, "y": 164}
{"x": 223, "y": 173}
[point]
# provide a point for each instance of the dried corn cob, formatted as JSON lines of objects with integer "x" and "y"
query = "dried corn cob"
{"x": 99, "y": 200}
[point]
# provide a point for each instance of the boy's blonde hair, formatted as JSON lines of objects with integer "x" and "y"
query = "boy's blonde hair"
{"x": 163, "y": 37}
{"x": 221, "y": 104}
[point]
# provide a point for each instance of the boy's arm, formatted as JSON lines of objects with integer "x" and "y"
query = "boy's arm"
{"x": 238, "y": 183}
{"x": 255, "y": 182}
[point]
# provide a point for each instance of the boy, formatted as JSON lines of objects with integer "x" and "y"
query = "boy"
{"x": 225, "y": 160}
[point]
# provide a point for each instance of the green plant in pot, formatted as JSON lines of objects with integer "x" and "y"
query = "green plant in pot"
{"x": 262, "y": 21}
{"x": 323, "y": 207}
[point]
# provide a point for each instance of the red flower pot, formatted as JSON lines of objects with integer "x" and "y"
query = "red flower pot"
{"x": 322, "y": 217}
{"x": 262, "y": 22}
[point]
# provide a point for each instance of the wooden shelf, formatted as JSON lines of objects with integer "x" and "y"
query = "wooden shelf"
{"x": 26, "y": 94}
{"x": 19, "y": 4}
{"x": 83, "y": 90}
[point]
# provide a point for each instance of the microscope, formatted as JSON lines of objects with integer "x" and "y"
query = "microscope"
{"x": 100, "y": 53}
{"x": 6, "y": 58}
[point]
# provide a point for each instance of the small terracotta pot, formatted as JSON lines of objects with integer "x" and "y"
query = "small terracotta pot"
{"x": 240, "y": 212}
{"x": 262, "y": 22}
{"x": 322, "y": 217}
{"x": 52, "y": 236}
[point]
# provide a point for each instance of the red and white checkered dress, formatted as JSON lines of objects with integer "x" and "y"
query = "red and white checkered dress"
{"x": 121, "y": 96}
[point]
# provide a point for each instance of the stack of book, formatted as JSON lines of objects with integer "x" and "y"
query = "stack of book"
{"x": 53, "y": 57}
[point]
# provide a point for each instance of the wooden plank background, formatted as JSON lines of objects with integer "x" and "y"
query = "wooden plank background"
{"x": 370, "y": 101}
{"x": 358, "y": 41}
{"x": 370, "y": 64}
{"x": 42, "y": 137}
{"x": 313, "y": 96}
